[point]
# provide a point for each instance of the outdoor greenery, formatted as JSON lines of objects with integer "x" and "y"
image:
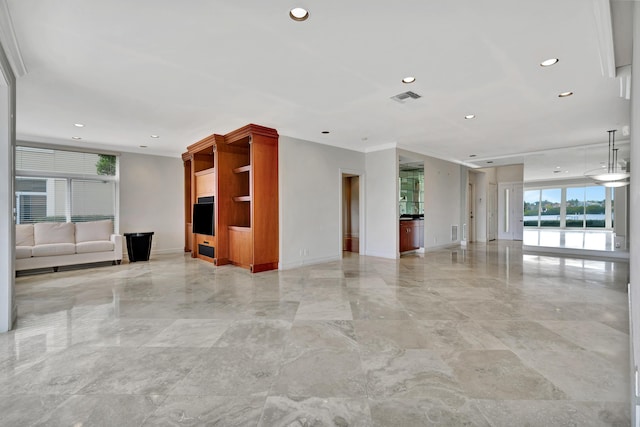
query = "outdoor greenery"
{"x": 574, "y": 207}
{"x": 106, "y": 165}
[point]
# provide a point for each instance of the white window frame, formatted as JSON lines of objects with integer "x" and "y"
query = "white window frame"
{"x": 22, "y": 173}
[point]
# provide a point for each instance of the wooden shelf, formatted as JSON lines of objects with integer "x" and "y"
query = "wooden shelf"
{"x": 204, "y": 172}
{"x": 242, "y": 169}
{"x": 239, "y": 169}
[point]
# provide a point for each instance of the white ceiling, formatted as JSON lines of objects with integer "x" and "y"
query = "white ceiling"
{"x": 183, "y": 70}
{"x": 571, "y": 163}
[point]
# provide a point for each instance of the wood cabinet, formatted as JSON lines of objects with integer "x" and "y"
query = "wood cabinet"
{"x": 411, "y": 232}
{"x": 240, "y": 247}
{"x": 244, "y": 184}
{"x": 199, "y": 181}
{"x": 253, "y": 189}
{"x": 206, "y": 247}
{"x": 205, "y": 181}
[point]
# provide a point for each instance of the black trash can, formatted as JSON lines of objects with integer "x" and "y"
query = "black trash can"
{"x": 138, "y": 246}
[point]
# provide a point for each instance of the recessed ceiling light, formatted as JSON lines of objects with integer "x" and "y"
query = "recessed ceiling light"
{"x": 299, "y": 14}
{"x": 155, "y": 136}
{"x": 470, "y": 116}
{"x": 557, "y": 167}
{"x": 78, "y": 125}
{"x": 565, "y": 94}
{"x": 143, "y": 146}
{"x": 549, "y": 62}
{"x": 325, "y": 132}
{"x": 409, "y": 79}
{"x": 472, "y": 155}
{"x": 75, "y": 137}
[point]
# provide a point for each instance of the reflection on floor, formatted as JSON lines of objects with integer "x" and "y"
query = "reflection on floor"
{"x": 594, "y": 242}
{"x": 477, "y": 336}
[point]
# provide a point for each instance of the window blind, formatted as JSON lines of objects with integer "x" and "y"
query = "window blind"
{"x": 55, "y": 185}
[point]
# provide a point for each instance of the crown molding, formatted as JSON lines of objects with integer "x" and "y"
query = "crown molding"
{"x": 380, "y": 147}
{"x": 9, "y": 42}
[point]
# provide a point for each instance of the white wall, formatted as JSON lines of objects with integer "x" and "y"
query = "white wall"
{"x": 310, "y": 183}
{"x": 8, "y": 309}
{"x": 382, "y": 204}
{"x": 310, "y": 215}
{"x": 442, "y": 194}
{"x": 152, "y": 199}
{"x": 620, "y": 217}
{"x": 490, "y": 173}
{"x": 634, "y": 206}
{"x": 514, "y": 173}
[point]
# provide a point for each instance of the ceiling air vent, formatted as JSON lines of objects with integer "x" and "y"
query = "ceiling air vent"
{"x": 404, "y": 96}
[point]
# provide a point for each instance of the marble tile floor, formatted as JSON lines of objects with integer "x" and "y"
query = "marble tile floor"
{"x": 481, "y": 336}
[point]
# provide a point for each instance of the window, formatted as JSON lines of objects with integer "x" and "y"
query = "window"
{"x": 586, "y": 207}
{"x": 531, "y": 208}
{"x": 550, "y": 203}
{"x": 575, "y": 207}
{"x": 65, "y": 186}
{"x": 595, "y": 206}
{"x": 92, "y": 200}
{"x": 40, "y": 200}
{"x": 579, "y": 207}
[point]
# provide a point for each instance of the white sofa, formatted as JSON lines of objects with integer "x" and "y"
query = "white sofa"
{"x": 55, "y": 244}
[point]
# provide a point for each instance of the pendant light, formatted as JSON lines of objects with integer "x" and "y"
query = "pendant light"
{"x": 614, "y": 176}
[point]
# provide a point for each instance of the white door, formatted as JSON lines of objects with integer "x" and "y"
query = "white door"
{"x": 510, "y": 198}
{"x": 492, "y": 212}
{"x": 517, "y": 212}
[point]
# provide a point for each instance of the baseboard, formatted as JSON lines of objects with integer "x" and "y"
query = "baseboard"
{"x": 307, "y": 261}
{"x": 170, "y": 251}
{"x": 445, "y": 246}
{"x": 388, "y": 255}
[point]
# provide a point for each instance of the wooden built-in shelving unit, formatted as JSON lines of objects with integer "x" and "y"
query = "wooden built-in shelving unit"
{"x": 240, "y": 171}
{"x": 199, "y": 181}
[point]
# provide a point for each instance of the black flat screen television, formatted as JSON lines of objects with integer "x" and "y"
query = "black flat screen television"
{"x": 203, "y": 218}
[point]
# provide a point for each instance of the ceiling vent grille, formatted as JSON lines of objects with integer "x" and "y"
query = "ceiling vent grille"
{"x": 405, "y": 96}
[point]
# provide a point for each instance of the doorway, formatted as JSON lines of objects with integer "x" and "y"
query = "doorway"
{"x": 411, "y": 205}
{"x": 350, "y": 213}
